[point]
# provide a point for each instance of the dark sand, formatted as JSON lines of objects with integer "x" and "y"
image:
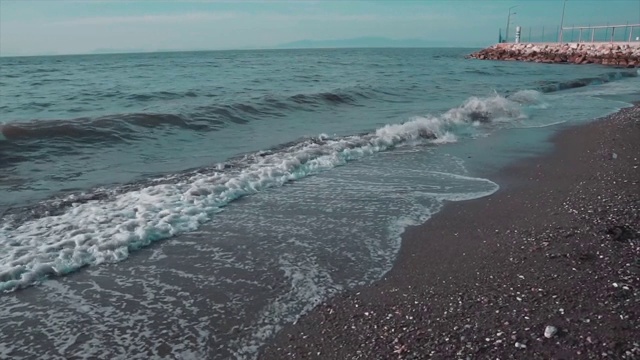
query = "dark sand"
{"x": 557, "y": 245}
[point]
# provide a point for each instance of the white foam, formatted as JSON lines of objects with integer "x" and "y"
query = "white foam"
{"x": 447, "y": 137}
{"x": 543, "y": 125}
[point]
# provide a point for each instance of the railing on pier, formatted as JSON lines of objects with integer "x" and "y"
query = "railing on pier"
{"x": 606, "y": 27}
{"x": 596, "y": 33}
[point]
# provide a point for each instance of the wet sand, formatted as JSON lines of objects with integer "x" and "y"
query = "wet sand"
{"x": 557, "y": 246}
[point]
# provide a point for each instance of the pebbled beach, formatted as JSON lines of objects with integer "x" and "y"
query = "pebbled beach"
{"x": 547, "y": 267}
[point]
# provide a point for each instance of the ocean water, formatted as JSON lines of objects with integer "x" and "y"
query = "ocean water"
{"x": 188, "y": 205}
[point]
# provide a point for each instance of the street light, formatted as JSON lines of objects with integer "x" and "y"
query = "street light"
{"x": 508, "y": 20}
{"x": 564, "y": 4}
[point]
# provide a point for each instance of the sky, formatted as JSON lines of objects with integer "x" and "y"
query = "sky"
{"x": 32, "y": 27}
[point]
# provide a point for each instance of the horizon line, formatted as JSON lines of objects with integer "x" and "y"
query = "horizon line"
{"x": 123, "y": 52}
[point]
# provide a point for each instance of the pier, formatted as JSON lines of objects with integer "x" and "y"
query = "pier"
{"x": 621, "y": 54}
{"x": 595, "y": 45}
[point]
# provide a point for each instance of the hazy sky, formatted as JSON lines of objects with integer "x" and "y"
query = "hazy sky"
{"x": 67, "y": 27}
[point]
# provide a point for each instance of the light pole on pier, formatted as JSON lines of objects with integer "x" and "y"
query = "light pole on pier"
{"x": 564, "y": 4}
{"x": 506, "y": 36}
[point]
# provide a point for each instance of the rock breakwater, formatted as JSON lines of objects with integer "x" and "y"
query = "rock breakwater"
{"x": 614, "y": 54}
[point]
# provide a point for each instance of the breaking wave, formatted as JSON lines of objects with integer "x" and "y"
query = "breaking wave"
{"x": 62, "y": 235}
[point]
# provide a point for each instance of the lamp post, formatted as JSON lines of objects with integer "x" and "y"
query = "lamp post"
{"x": 506, "y": 36}
{"x": 564, "y": 4}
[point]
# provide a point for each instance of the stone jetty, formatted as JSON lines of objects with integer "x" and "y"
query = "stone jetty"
{"x": 623, "y": 54}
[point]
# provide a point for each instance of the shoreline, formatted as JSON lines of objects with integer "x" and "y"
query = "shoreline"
{"x": 559, "y": 246}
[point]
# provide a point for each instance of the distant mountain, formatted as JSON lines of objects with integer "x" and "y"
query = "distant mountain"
{"x": 373, "y": 42}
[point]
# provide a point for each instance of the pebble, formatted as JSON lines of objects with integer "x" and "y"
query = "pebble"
{"x": 550, "y": 331}
{"x": 521, "y": 345}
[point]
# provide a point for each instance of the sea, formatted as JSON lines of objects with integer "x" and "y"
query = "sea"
{"x": 188, "y": 205}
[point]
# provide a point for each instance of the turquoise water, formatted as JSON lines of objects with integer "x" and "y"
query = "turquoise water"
{"x": 212, "y": 197}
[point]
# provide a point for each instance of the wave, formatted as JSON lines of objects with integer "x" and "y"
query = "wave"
{"x": 124, "y": 127}
{"x": 486, "y": 109}
{"x": 120, "y": 127}
{"x": 552, "y": 86}
{"x": 161, "y": 95}
{"x": 107, "y": 128}
{"x": 45, "y": 70}
{"x": 332, "y": 98}
{"x": 62, "y": 235}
